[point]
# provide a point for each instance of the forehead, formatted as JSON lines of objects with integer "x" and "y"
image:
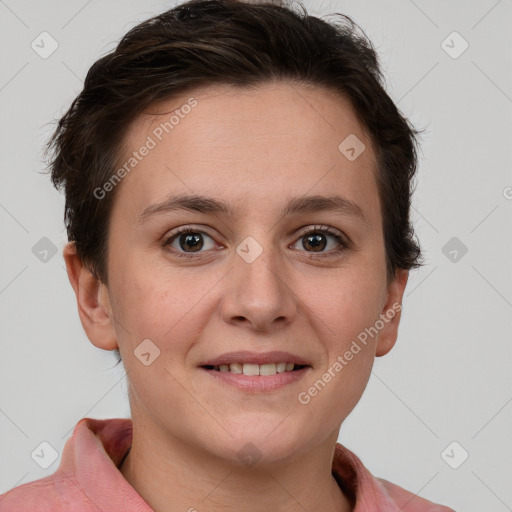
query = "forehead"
{"x": 250, "y": 145}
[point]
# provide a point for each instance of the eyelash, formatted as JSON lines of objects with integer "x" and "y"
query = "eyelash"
{"x": 344, "y": 244}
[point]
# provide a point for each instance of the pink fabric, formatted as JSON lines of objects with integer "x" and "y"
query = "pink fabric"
{"x": 88, "y": 478}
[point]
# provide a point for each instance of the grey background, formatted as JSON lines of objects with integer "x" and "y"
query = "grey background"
{"x": 449, "y": 376}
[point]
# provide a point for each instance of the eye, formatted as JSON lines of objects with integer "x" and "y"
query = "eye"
{"x": 187, "y": 241}
{"x": 316, "y": 240}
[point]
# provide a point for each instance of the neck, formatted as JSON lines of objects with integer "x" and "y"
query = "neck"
{"x": 180, "y": 477}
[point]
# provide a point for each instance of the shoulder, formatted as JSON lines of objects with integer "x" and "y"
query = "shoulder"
{"x": 372, "y": 493}
{"x": 408, "y": 501}
{"x": 87, "y": 478}
{"x": 55, "y": 493}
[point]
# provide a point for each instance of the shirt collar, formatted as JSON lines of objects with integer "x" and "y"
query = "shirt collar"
{"x": 91, "y": 459}
{"x": 92, "y": 456}
{"x": 365, "y": 491}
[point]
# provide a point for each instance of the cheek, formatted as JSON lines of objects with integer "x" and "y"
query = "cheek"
{"x": 168, "y": 307}
{"x": 344, "y": 305}
{"x": 348, "y": 353}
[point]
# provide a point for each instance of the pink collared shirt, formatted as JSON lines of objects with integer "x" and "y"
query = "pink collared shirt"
{"x": 88, "y": 478}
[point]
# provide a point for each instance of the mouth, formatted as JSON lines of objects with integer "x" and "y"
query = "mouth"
{"x": 257, "y": 372}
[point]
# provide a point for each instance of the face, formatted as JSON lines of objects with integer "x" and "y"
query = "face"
{"x": 283, "y": 262}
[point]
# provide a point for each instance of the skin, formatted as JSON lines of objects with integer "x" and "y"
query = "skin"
{"x": 256, "y": 149}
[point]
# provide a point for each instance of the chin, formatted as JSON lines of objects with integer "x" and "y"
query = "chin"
{"x": 263, "y": 442}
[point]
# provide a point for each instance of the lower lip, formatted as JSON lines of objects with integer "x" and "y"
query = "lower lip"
{"x": 258, "y": 383}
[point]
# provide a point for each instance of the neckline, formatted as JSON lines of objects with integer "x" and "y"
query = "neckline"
{"x": 123, "y": 459}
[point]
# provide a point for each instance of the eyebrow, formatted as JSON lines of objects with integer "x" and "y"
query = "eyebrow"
{"x": 296, "y": 205}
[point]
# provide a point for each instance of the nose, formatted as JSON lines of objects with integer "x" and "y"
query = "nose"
{"x": 259, "y": 294}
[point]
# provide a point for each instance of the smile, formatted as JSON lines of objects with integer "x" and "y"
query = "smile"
{"x": 255, "y": 369}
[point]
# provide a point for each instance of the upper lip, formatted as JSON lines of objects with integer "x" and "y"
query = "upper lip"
{"x": 255, "y": 358}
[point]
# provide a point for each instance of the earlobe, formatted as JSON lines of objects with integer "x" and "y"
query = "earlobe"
{"x": 92, "y": 300}
{"x": 391, "y": 313}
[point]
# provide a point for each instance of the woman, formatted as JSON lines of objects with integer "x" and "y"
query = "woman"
{"x": 237, "y": 202}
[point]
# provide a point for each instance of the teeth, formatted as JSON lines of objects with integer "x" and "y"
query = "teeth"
{"x": 280, "y": 367}
{"x": 256, "y": 369}
{"x": 236, "y": 368}
{"x": 268, "y": 369}
{"x": 251, "y": 369}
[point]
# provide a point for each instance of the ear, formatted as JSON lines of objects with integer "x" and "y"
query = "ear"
{"x": 92, "y": 300}
{"x": 391, "y": 312}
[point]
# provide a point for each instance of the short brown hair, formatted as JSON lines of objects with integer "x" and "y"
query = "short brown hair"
{"x": 241, "y": 43}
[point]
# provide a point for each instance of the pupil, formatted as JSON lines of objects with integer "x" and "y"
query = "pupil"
{"x": 193, "y": 240}
{"x": 313, "y": 241}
